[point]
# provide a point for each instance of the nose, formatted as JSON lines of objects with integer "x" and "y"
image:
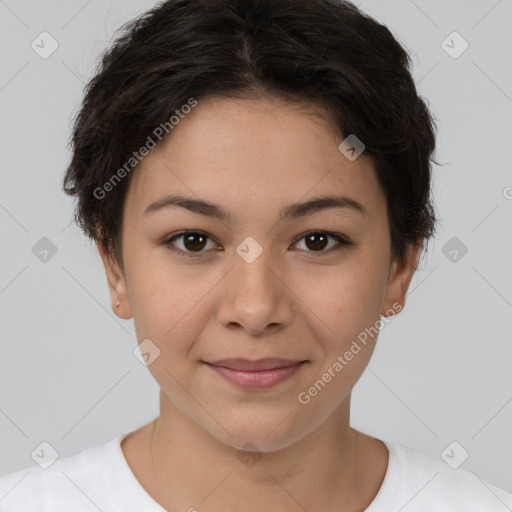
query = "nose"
{"x": 256, "y": 297}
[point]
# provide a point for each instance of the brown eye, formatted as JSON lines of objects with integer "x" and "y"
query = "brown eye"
{"x": 191, "y": 242}
{"x": 317, "y": 241}
{"x": 194, "y": 242}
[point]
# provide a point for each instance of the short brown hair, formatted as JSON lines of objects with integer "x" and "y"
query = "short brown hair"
{"x": 324, "y": 51}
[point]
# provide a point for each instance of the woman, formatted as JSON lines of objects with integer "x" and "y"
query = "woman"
{"x": 256, "y": 176}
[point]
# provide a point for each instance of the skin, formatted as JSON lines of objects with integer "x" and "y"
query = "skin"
{"x": 253, "y": 157}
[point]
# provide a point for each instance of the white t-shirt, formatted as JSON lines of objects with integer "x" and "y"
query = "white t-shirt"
{"x": 99, "y": 479}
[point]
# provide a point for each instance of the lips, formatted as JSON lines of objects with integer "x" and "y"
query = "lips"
{"x": 260, "y": 374}
{"x": 245, "y": 365}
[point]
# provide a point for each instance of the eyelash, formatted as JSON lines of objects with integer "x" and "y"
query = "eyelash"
{"x": 344, "y": 242}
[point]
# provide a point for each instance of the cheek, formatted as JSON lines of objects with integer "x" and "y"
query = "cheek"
{"x": 344, "y": 311}
{"x": 344, "y": 301}
{"x": 170, "y": 304}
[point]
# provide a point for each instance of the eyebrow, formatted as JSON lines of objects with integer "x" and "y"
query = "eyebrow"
{"x": 291, "y": 211}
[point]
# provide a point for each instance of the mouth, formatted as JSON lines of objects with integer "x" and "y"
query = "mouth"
{"x": 260, "y": 374}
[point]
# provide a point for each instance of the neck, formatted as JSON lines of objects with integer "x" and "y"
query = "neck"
{"x": 192, "y": 469}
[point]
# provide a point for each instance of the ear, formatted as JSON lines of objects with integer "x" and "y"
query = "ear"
{"x": 116, "y": 283}
{"x": 400, "y": 276}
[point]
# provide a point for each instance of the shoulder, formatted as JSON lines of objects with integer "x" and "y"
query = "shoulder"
{"x": 423, "y": 483}
{"x": 78, "y": 482}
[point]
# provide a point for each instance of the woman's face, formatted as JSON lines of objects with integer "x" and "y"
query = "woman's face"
{"x": 267, "y": 280}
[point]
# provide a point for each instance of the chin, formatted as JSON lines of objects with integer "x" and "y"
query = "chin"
{"x": 264, "y": 433}
{"x": 258, "y": 442}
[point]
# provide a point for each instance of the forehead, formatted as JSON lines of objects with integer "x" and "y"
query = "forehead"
{"x": 252, "y": 152}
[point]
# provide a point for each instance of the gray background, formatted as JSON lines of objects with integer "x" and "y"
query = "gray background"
{"x": 441, "y": 370}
